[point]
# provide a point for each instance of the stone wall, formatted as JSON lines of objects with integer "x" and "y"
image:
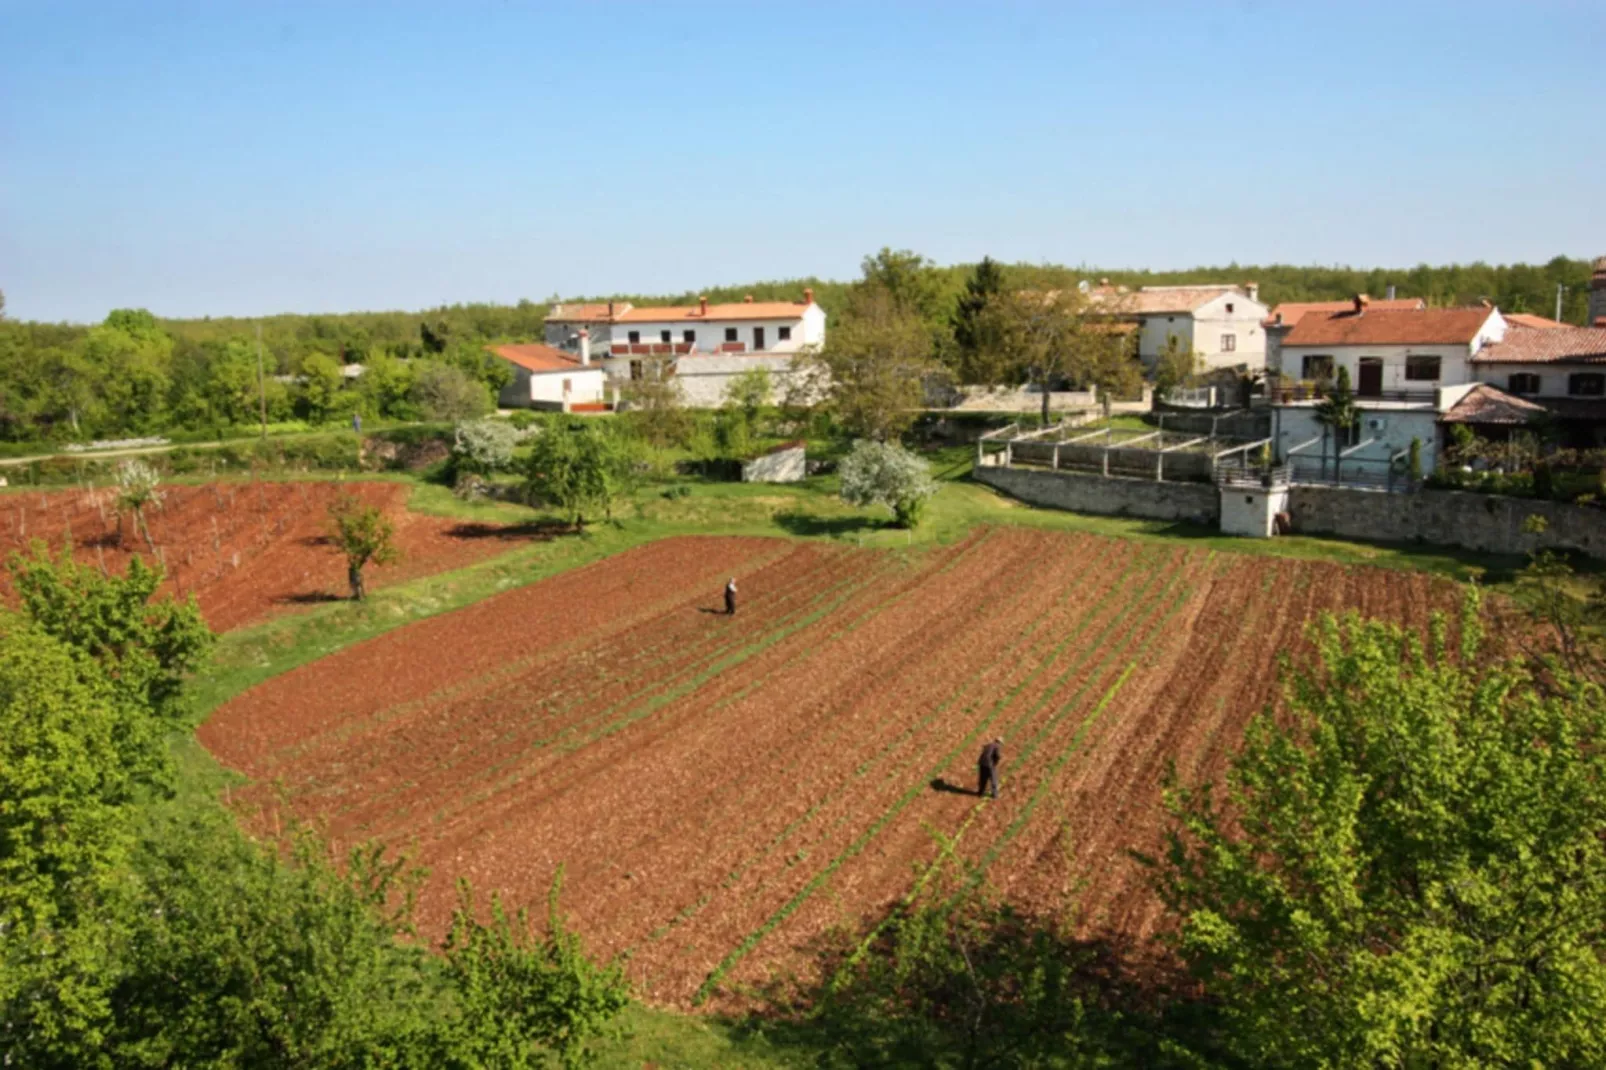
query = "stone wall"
{"x": 1485, "y": 522}
{"x": 1114, "y": 496}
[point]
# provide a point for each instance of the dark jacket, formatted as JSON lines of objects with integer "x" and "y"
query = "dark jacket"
{"x": 991, "y": 755}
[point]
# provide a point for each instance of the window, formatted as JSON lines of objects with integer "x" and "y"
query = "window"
{"x": 1229, "y": 308}
{"x": 1421, "y": 368}
{"x": 1229, "y": 343}
{"x": 635, "y": 370}
{"x": 1524, "y": 383}
{"x": 688, "y": 336}
{"x": 663, "y": 336}
{"x": 730, "y": 334}
{"x": 635, "y": 337}
{"x": 1587, "y": 384}
{"x": 1318, "y": 367}
{"x": 783, "y": 333}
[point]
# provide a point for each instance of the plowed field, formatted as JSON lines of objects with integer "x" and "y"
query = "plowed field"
{"x": 246, "y": 550}
{"x": 722, "y": 790}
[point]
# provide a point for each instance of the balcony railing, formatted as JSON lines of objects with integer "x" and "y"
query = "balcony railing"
{"x": 1287, "y": 395}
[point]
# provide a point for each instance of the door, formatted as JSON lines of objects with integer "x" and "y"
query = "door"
{"x": 1371, "y": 384}
{"x": 758, "y": 338}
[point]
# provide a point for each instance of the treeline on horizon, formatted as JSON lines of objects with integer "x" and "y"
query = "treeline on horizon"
{"x": 62, "y": 381}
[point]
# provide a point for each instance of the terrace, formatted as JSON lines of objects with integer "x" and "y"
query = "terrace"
{"x": 1164, "y": 456}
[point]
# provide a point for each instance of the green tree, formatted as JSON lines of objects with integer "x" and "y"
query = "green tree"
{"x": 1045, "y": 337}
{"x": 481, "y": 447}
{"x": 985, "y": 283}
{"x": 872, "y": 371}
{"x": 1174, "y": 366}
{"x": 749, "y": 392}
{"x": 444, "y": 392}
{"x": 1337, "y": 412}
{"x": 147, "y": 648}
{"x": 886, "y": 474}
{"x": 321, "y": 383}
{"x": 138, "y": 489}
{"x": 579, "y": 468}
{"x": 386, "y": 387}
{"x": 655, "y": 411}
{"x": 364, "y": 535}
{"x": 519, "y": 997}
{"x": 1408, "y": 868}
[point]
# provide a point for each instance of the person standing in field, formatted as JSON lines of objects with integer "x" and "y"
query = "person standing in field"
{"x": 987, "y": 768}
{"x": 730, "y": 598}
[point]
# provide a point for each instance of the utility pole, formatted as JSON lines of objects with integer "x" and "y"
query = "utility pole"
{"x": 1560, "y": 289}
{"x": 262, "y": 384}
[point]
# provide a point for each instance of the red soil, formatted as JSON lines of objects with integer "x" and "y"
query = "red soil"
{"x": 246, "y": 550}
{"x": 722, "y": 791}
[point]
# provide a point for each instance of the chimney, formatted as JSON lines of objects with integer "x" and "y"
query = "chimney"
{"x": 585, "y": 348}
{"x": 610, "y": 311}
{"x": 747, "y": 300}
{"x": 1361, "y": 301}
{"x": 1597, "y": 294}
{"x": 1252, "y": 288}
{"x": 1391, "y": 291}
{"x": 702, "y": 305}
{"x": 1484, "y": 302}
{"x": 808, "y": 295}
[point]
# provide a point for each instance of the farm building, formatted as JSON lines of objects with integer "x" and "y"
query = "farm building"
{"x": 1219, "y": 322}
{"x": 704, "y": 346}
{"x": 545, "y": 377}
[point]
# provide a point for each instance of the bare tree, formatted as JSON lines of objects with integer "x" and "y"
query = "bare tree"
{"x": 1043, "y": 337}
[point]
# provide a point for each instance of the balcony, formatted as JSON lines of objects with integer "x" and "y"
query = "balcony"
{"x": 1310, "y": 393}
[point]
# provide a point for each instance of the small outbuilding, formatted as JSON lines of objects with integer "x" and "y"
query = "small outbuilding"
{"x": 545, "y": 377}
{"x": 786, "y": 463}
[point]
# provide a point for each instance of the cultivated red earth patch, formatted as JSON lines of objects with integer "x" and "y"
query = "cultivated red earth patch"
{"x": 245, "y": 550}
{"x": 721, "y": 791}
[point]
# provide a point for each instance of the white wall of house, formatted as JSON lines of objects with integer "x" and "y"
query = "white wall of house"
{"x": 1554, "y": 378}
{"x": 1454, "y": 363}
{"x": 581, "y": 386}
{"x": 1392, "y": 427}
{"x": 807, "y": 329}
{"x": 1204, "y": 330}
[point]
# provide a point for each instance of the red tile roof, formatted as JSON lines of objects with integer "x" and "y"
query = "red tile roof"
{"x": 539, "y": 358}
{"x": 1555, "y": 345}
{"x": 586, "y": 313}
{"x": 1293, "y": 311}
{"x": 1159, "y": 300}
{"x": 1485, "y": 404}
{"x": 1528, "y": 319}
{"x": 1401, "y": 327}
{"x": 740, "y": 310}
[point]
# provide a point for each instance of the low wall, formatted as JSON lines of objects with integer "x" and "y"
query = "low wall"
{"x": 1113, "y": 496}
{"x": 1485, "y": 522}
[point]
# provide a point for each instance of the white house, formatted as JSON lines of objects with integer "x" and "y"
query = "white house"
{"x": 1288, "y": 313}
{"x": 545, "y": 377}
{"x": 704, "y": 345}
{"x": 1407, "y": 369}
{"x": 1221, "y": 323}
{"x": 1561, "y": 369}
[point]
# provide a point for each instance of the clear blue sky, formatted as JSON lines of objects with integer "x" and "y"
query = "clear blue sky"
{"x": 232, "y": 158}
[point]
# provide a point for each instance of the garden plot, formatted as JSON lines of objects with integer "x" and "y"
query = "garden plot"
{"x": 721, "y": 791}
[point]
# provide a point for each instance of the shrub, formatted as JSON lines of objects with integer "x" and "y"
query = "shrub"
{"x": 483, "y": 446}
{"x": 884, "y": 473}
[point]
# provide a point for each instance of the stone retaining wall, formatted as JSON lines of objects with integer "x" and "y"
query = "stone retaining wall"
{"x": 1114, "y": 496}
{"x": 1487, "y": 522}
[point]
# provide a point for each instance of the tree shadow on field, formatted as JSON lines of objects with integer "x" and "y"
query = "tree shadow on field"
{"x": 318, "y": 540}
{"x": 797, "y": 523}
{"x": 532, "y": 531}
{"x": 308, "y": 598}
{"x": 956, "y": 979}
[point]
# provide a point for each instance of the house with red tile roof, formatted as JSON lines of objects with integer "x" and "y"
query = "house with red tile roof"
{"x": 1222, "y": 323}
{"x": 545, "y": 377}
{"x": 703, "y": 346}
{"x": 1562, "y": 369}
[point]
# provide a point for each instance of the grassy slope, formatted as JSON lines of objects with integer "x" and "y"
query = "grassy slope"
{"x": 809, "y": 510}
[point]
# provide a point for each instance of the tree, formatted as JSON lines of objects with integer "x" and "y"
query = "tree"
{"x": 483, "y": 446}
{"x": 147, "y": 648}
{"x": 748, "y": 393}
{"x": 1337, "y": 412}
{"x": 1174, "y": 366}
{"x": 655, "y": 412}
{"x": 1408, "y": 869}
{"x": 364, "y": 534}
{"x": 579, "y": 468}
{"x": 443, "y": 392}
{"x": 884, "y": 473}
{"x": 871, "y": 372}
{"x": 138, "y": 488}
{"x": 517, "y": 994}
{"x": 321, "y": 384}
{"x": 1043, "y": 337}
{"x": 985, "y": 282}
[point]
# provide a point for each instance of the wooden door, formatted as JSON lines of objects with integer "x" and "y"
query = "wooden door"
{"x": 1371, "y": 384}
{"x": 758, "y": 338}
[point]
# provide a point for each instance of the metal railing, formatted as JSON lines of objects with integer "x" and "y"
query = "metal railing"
{"x": 1284, "y": 395}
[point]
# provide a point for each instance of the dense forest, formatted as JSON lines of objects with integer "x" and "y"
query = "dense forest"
{"x": 136, "y": 373}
